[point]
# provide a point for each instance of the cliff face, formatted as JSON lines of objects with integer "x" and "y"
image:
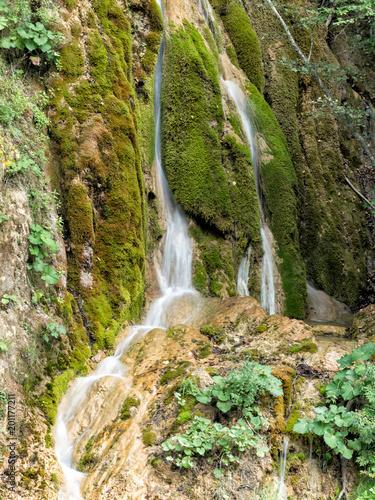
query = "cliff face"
{"x": 106, "y": 217}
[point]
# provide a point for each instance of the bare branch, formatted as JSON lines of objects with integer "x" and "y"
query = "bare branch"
{"x": 360, "y": 194}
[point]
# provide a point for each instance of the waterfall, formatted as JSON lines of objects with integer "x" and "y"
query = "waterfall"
{"x": 243, "y": 274}
{"x": 282, "y": 488}
{"x": 175, "y": 281}
{"x": 268, "y": 286}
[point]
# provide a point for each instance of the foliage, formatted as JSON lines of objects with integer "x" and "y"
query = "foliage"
{"x": 223, "y": 443}
{"x": 40, "y": 239}
{"x": 348, "y": 424}
{"x": 53, "y": 330}
{"x": 188, "y": 387}
{"x": 9, "y": 298}
{"x": 3, "y": 346}
{"x": 3, "y": 402}
{"x": 26, "y": 28}
{"x": 241, "y": 388}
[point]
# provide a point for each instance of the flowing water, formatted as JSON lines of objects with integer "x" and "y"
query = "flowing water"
{"x": 174, "y": 276}
{"x": 282, "y": 495}
{"x": 243, "y": 274}
{"x": 268, "y": 285}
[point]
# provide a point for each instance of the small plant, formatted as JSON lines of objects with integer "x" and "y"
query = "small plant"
{"x": 188, "y": 387}
{"x": 347, "y": 425}
{"x": 53, "y": 330}
{"x": 6, "y": 299}
{"x": 221, "y": 443}
{"x": 240, "y": 389}
{"x": 3, "y": 402}
{"x": 3, "y": 346}
{"x": 3, "y": 218}
{"x": 37, "y": 296}
{"x": 40, "y": 239}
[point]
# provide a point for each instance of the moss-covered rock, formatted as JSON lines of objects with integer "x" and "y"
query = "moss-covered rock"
{"x": 192, "y": 119}
{"x": 279, "y": 184}
{"x": 244, "y": 39}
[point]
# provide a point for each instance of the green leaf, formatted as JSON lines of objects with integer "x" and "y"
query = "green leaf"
{"x": 203, "y": 399}
{"x": 218, "y": 473}
{"x": 50, "y": 276}
{"x": 39, "y": 266}
{"x": 30, "y": 45}
{"x": 224, "y": 406}
{"x": 330, "y": 439}
{"x": 3, "y": 346}
{"x": 302, "y": 426}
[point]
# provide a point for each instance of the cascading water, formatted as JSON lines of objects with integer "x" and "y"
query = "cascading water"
{"x": 282, "y": 495}
{"x": 175, "y": 281}
{"x": 268, "y": 287}
{"x": 243, "y": 274}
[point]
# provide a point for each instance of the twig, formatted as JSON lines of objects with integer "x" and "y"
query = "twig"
{"x": 360, "y": 194}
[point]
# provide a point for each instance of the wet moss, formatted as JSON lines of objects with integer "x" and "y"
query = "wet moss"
{"x": 192, "y": 119}
{"x": 71, "y": 60}
{"x": 279, "y": 183}
{"x": 245, "y": 41}
{"x": 292, "y": 420}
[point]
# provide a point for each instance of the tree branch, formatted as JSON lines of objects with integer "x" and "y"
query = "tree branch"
{"x": 360, "y": 194}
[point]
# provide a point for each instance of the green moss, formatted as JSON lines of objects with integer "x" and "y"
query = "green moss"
{"x": 154, "y": 462}
{"x": 192, "y": 119}
{"x": 213, "y": 372}
{"x": 128, "y": 403}
{"x": 205, "y": 351}
{"x": 49, "y": 440}
{"x": 244, "y": 39}
{"x": 53, "y": 397}
{"x": 278, "y": 181}
{"x": 89, "y": 460}
{"x": 71, "y": 60}
{"x": 148, "y": 437}
{"x": 304, "y": 347}
{"x": 261, "y": 328}
{"x": 294, "y": 416}
{"x": 215, "y": 333}
{"x": 172, "y": 372}
{"x": 243, "y": 193}
{"x": 232, "y": 55}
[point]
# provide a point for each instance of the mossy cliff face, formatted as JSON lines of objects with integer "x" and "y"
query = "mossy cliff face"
{"x": 331, "y": 220}
{"x": 278, "y": 182}
{"x": 210, "y": 173}
{"x": 98, "y": 165}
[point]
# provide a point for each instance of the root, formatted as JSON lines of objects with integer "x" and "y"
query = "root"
{"x": 344, "y": 490}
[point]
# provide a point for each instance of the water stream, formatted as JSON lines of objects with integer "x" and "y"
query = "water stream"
{"x": 282, "y": 495}
{"x": 175, "y": 281}
{"x": 243, "y": 274}
{"x": 268, "y": 285}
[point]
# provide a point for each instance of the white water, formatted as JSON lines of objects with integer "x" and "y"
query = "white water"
{"x": 174, "y": 277}
{"x": 282, "y": 495}
{"x": 268, "y": 285}
{"x": 243, "y": 274}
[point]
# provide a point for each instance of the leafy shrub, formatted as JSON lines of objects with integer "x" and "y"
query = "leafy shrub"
{"x": 27, "y": 28}
{"x": 202, "y": 436}
{"x": 241, "y": 388}
{"x": 40, "y": 239}
{"x": 348, "y": 424}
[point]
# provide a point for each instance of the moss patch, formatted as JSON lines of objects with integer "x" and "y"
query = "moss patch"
{"x": 148, "y": 437}
{"x": 192, "y": 119}
{"x": 244, "y": 39}
{"x": 304, "y": 347}
{"x": 125, "y": 410}
{"x": 172, "y": 372}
